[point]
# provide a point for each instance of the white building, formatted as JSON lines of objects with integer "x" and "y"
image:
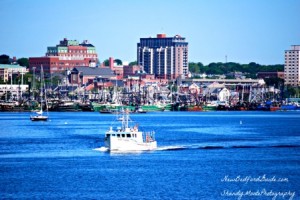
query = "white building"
{"x": 16, "y": 91}
{"x": 292, "y": 66}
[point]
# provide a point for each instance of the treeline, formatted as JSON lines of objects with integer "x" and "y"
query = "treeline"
{"x": 250, "y": 69}
{"x": 5, "y": 59}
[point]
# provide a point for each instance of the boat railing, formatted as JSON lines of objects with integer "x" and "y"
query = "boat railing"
{"x": 149, "y": 137}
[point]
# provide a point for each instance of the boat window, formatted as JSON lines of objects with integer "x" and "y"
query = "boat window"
{"x": 118, "y": 135}
{"x": 113, "y": 134}
{"x": 128, "y": 135}
{"x": 123, "y": 135}
{"x": 107, "y": 135}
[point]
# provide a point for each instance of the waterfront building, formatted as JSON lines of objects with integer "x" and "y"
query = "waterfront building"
{"x": 131, "y": 70}
{"x": 264, "y": 75}
{"x": 292, "y": 66}
{"x": 7, "y": 71}
{"x": 83, "y": 75}
{"x": 15, "y": 91}
{"x": 165, "y": 57}
{"x": 65, "y": 56}
{"x": 117, "y": 69}
{"x": 226, "y": 82}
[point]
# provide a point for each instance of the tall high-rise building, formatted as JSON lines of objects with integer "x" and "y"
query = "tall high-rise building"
{"x": 292, "y": 66}
{"x": 65, "y": 56}
{"x": 165, "y": 57}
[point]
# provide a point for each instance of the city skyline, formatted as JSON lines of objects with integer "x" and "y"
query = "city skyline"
{"x": 236, "y": 31}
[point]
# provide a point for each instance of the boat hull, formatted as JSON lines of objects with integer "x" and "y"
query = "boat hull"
{"x": 209, "y": 108}
{"x": 124, "y": 144}
{"x": 195, "y": 108}
{"x": 97, "y": 106}
{"x": 288, "y": 107}
{"x": 39, "y": 118}
{"x": 148, "y": 108}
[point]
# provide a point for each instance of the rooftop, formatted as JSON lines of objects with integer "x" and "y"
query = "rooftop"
{"x": 105, "y": 72}
{"x": 7, "y": 66}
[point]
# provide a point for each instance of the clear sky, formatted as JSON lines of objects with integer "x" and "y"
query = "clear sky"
{"x": 244, "y": 30}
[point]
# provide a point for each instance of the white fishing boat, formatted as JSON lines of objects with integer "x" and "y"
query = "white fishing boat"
{"x": 39, "y": 116}
{"x": 126, "y": 138}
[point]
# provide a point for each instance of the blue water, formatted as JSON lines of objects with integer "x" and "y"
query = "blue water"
{"x": 198, "y": 154}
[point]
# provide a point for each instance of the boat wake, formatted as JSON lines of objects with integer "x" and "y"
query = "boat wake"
{"x": 209, "y": 147}
{"x": 212, "y": 147}
{"x": 187, "y": 147}
{"x": 171, "y": 148}
{"x": 102, "y": 149}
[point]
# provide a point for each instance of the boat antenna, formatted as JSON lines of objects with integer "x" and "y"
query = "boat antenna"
{"x": 125, "y": 119}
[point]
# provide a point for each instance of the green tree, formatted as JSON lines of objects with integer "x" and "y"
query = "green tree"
{"x": 106, "y": 62}
{"x": 250, "y": 69}
{"x": 23, "y": 62}
{"x": 27, "y": 78}
{"x": 291, "y": 91}
{"x": 274, "y": 81}
{"x": 193, "y": 67}
{"x": 4, "y": 59}
{"x": 133, "y": 63}
{"x": 118, "y": 61}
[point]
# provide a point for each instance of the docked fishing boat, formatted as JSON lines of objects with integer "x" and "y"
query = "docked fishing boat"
{"x": 210, "y": 106}
{"x": 152, "y": 108}
{"x": 195, "y": 108}
{"x": 139, "y": 110}
{"x": 126, "y": 138}
{"x": 98, "y": 106}
{"x": 289, "y": 107}
{"x": 108, "y": 111}
{"x": 7, "y": 106}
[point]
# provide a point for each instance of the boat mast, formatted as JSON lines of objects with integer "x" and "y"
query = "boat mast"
{"x": 41, "y": 88}
{"x": 44, "y": 87}
{"x": 125, "y": 119}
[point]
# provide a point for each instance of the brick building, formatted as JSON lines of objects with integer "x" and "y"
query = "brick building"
{"x": 264, "y": 75}
{"x": 131, "y": 70}
{"x": 65, "y": 56}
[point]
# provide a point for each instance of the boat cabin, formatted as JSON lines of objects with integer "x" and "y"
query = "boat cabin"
{"x": 130, "y": 133}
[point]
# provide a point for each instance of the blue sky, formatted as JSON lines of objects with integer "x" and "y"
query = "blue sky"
{"x": 244, "y": 30}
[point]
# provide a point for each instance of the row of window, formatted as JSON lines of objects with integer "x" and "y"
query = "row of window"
{"x": 57, "y": 63}
{"x": 71, "y": 51}
{"x": 291, "y": 58}
{"x": 79, "y": 55}
{"x": 293, "y": 65}
{"x": 56, "y": 68}
{"x": 291, "y": 55}
{"x": 292, "y": 52}
{"x": 123, "y": 135}
{"x": 291, "y": 72}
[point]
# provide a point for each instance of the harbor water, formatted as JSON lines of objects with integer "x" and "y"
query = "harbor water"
{"x": 200, "y": 155}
